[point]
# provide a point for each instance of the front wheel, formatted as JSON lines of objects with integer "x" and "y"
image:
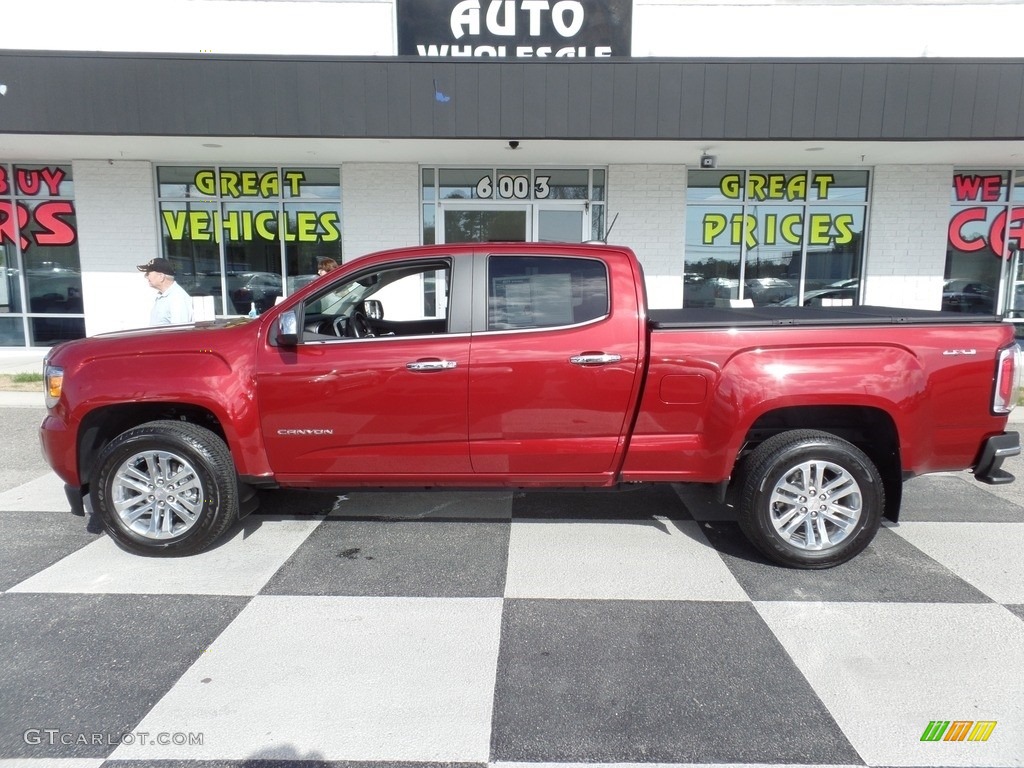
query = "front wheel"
{"x": 810, "y": 499}
{"x": 166, "y": 488}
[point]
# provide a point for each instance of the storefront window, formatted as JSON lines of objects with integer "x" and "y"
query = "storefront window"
{"x": 567, "y": 185}
{"x": 461, "y": 183}
{"x": 248, "y": 235}
{"x": 983, "y": 244}
{"x": 712, "y": 269}
{"x": 40, "y": 270}
{"x": 783, "y": 237}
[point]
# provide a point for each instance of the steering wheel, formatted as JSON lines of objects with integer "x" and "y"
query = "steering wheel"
{"x": 359, "y": 325}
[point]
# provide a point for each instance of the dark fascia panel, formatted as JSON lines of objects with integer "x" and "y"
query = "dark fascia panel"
{"x": 411, "y": 98}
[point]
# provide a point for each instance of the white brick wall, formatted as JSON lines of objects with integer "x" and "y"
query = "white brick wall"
{"x": 115, "y": 203}
{"x": 906, "y": 239}
{"x": 379, "y": 207}
{"x": 650, "y": 201}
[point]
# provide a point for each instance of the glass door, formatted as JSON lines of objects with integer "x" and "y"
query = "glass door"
{"x": 562, "y": 224}
{"x": 462, "y": 223}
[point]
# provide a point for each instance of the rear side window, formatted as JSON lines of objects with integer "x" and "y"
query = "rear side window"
{"x": 532, "y": 292}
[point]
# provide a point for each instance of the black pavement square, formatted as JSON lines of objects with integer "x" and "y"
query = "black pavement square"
{"x": 889, "y": 570}
{"x": 418, "y": 505}
{"x": 650, "y": 681}
{"x": 955, "y": 499}
{"x": 32, "y": 541}
{"x": 71, "y": 665}
{"x": 408, "y": 558}
{"x": 638, "y": 501}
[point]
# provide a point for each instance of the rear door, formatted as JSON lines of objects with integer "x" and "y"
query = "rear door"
{"x": 553, "y": 371}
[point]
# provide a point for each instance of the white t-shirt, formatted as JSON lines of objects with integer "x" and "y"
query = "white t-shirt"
{"x": 172, "y": 307}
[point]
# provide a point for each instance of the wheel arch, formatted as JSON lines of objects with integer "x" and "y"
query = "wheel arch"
{"x": 872, "y": 430}
{"x": 103, "y": 424}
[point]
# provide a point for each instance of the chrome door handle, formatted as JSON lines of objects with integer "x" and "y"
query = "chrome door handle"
{"x": 594, "y": 359}
{"x": 431, "y": 365}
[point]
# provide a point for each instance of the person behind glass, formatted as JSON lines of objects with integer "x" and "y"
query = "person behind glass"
{"x": 173, "y": 305}
{"x": 325, "y": 265}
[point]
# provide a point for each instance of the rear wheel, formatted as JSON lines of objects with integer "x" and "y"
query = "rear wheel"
{"x": 810, "y": 499}
{"x": 166, "y": 488}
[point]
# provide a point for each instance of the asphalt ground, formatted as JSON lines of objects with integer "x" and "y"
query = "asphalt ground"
{"x": 507, "y": 629}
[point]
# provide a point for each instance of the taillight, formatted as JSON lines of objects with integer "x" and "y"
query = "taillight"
{"x": 1008, "y": 374}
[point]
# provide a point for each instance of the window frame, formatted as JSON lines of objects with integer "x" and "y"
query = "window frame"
{"x": 458, "y": 283}
{"x": 481, "y": 311}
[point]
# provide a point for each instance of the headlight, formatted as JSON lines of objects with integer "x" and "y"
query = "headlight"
{"x": 53, "y": 384}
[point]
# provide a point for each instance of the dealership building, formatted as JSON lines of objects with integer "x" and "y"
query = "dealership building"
{"x": 765, "y": 153}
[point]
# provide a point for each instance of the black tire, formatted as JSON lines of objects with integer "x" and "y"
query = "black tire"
{"x": 182, "y": 518}
{"x": 810, "y": 499}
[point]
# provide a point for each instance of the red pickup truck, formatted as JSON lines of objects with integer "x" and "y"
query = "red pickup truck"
{"x": 529, "y": 365}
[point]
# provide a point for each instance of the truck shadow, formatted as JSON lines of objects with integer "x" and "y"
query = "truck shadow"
{"x": 666, "y": 508}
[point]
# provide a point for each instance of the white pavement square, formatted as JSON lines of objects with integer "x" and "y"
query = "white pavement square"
{"x": 885, "y": 670}
{"x": 241, "y": 565}
{"x": 339, "y": 678}
{"x": 973, "y": 551}
{"x": 44, "y": 494}
{"x": 642, "y": 559}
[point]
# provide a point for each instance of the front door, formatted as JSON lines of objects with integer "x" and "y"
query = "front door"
{"x": 377, "y": 385}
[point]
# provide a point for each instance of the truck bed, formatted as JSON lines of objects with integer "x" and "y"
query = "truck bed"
{"x": 725, "y": 317}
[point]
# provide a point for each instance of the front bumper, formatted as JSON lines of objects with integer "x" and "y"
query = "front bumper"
{"x": 993, "y": 452}
{"x": 58, "y": 445}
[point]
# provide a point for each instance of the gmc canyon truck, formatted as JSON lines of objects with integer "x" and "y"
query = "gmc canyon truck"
{"x": 532, "y": 365}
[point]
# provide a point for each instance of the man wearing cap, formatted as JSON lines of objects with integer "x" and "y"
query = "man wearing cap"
{"x": 173, "y": 305}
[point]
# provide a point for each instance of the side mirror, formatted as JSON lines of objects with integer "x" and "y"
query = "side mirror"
{"x": 288, "y": 329}
{"x": 373, "y": 309}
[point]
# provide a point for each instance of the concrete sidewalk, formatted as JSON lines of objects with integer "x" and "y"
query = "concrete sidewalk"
{"x": 22, "y": 361}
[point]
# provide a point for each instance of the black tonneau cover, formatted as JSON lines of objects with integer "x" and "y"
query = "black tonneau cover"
{"x": 731, "y": 317}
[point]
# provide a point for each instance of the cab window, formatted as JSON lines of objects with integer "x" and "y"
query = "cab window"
{"x": 402, "y": 300}
{"x": 530, "y": 292}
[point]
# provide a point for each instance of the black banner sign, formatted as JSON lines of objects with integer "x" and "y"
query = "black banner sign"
{"x": 515, "y": 29}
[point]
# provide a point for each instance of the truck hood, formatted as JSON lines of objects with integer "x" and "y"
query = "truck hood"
{"x": 157, "y": 339}
{"x": 155, "y": 330}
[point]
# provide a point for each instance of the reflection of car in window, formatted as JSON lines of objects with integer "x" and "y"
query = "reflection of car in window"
{"x": 1017, "y": 301}
{"x": 824, "y": 297}
{"x": 964, "y": 295}
{"x": 768, "y": 290}
{"x": 724, "y": 287}
{"x": 244, "y": 289}
{"x": 55, "y": 291}
{"x": 259, "y": 288}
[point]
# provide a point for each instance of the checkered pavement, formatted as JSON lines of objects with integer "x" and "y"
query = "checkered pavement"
{"x": 510, "y": 629}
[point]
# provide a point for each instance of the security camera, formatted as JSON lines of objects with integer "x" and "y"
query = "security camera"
{"x": 708, "y": 161}
{"x": 513, "y": 144}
